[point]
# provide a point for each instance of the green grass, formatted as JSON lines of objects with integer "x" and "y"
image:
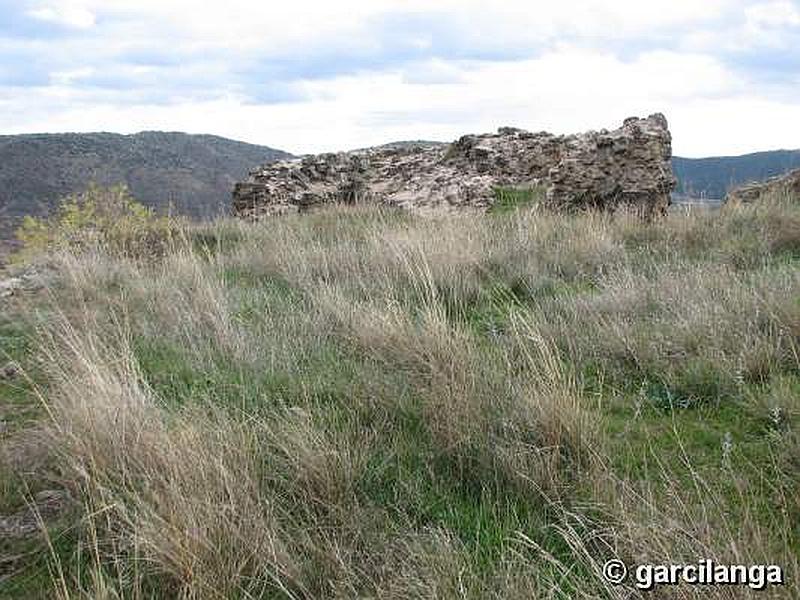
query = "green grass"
{"x": 24, "y": 570}
{"x": 19, "y": 408}
{"x": 363, "y": 403}
{"x": 508, "y": 199}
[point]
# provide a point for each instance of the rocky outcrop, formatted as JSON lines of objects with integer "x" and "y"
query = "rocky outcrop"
{"x": 782, "y": 185}
{"x": 27, "y": 280}
{"x": 630, "y": 165}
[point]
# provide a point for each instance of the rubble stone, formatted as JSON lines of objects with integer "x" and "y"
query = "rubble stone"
{"x": 788, "y": 184}
{"x": 605, "y": 169}
{"x": 9, "y": 371}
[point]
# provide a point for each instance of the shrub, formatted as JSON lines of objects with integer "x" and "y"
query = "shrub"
{"x": 107, "y": 217}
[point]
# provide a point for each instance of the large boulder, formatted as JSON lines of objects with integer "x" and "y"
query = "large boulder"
{"x": 605, "y": 169}
{"x": 782, "y": 185}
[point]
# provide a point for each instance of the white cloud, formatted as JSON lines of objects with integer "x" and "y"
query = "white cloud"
{"x": 371, "y": 71}
{"x": 66, "y": 78}
{"x": 432, "y": 72}
{"x": 563, "y": 91}
{"x": 246, "y": 24}
{"x": 733, "y": 126}
{"x": 65, "y": 14}
{"x": 773, "y": 14}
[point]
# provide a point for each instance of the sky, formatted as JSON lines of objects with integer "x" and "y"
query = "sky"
{"x": 308, "y": 76}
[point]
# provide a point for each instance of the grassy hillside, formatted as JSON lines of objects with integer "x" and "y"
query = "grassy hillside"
{"x": 713, "y": 177}
{"x": 195, "y": 173}
{"x": 361, "y": 403}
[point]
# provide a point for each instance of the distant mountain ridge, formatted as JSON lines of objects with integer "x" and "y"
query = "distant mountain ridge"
{"x": 711, "y": 178}
{"x": 192, "y": 173}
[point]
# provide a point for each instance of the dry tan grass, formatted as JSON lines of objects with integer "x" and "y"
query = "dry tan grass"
{"x": 172, "y": 490}
{"x": 475, "y": 331}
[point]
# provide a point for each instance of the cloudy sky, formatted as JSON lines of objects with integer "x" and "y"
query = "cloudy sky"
{"x": 311, "y": 76}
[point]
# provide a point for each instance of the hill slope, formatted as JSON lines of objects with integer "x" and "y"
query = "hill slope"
{"x": 194, "y": 173}
{"x": 713, "y": 177}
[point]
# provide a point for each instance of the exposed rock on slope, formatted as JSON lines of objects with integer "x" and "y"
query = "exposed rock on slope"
{"x": 630, "y": 165}
{"x": 788, "y": 184}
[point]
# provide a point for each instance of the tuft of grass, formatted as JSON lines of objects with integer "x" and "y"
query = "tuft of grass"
{"x": 507, "y": 199}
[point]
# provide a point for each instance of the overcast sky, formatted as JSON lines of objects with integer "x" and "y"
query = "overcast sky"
{"x": 315, "y": 76}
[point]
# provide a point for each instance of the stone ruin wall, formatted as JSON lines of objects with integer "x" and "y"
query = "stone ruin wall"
{"x": 781, "y": 185}
{"x": 605, "y": 169}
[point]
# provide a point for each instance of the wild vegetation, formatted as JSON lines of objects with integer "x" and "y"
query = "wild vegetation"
{"x": 108, "y": 218}
{"x": 359, "y": 402}
{"x": 169, "y": 172}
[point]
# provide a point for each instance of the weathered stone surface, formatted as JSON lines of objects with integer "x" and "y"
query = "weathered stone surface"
{"x": 9, "y": 371}
{"x": 8, "y": 287}
{"x": 788, "y": 184}
{"x": 630, "y": 165}
{"x": 29, "y": 279}
{"x": 46, "y": 506}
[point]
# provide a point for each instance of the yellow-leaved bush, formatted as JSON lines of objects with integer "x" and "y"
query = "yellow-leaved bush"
{"x": 107, "y": 217}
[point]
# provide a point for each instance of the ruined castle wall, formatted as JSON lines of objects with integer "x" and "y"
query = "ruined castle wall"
{"x": 782, "y": 185}
{"x": 629, "y": 165}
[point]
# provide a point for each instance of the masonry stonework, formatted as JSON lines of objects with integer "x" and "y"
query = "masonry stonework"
{"x": 605, "y": 169}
